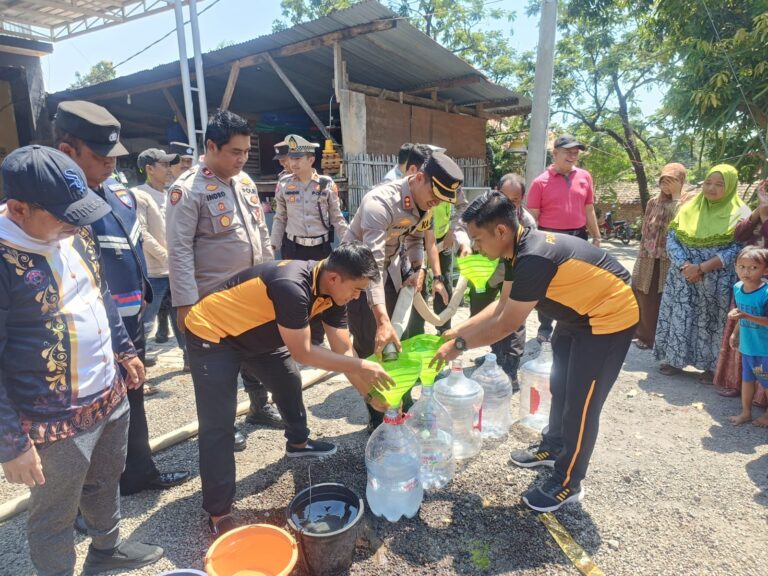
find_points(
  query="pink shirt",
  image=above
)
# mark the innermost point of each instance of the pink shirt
(560, 200)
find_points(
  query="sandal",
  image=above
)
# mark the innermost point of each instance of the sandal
(706, 377)
(728, 392)
(222, 525)
(668, 370)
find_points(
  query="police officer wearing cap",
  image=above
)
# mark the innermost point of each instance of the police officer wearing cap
(215, 227)
(90, 135)
(307, 207)
(394, 215)
(281, 155)
(186, 155)
(151, 205)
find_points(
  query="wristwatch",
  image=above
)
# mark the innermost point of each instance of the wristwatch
(460, 344)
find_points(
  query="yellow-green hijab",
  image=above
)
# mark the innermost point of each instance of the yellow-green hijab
(701, 223)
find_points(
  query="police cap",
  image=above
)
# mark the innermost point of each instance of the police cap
(281, 150)
(298, 146)
(93, 124)
(182, 149)
(151, 156)
(445, 175)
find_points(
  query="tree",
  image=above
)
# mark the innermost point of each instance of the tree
(100, 72)
(717, 72)
(603, 58)
(459, 25)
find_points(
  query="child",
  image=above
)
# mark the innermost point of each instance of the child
(751, 334)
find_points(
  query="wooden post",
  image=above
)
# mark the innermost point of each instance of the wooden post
(180, 118)
(234, 72)
(296, 94)
(339, 71)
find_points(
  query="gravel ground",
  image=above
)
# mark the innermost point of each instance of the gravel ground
(672, 489)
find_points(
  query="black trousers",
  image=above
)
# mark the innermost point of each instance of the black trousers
(545, 328)
(214, 370)
(584, 369)
(292, 251)
(446, 261)
(509, 349)
(362, 326)
(139, 467)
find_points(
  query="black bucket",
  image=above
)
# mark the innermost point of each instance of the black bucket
(326, 519)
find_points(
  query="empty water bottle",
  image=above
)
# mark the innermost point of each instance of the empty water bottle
(433, 427)
(535, 396)
(497, 396)
(392, 458)
(463, 399)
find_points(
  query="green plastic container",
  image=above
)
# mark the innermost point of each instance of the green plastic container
(404, 371)
(477, 269)
(424, 347)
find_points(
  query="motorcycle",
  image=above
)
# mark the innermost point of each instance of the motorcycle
(610, 229)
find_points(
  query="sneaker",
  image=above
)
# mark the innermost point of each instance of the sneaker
(533, 457)
(551, 495)
(313, 449)
(267, 415)
(222, 525)
(161, 338)
(150, 361)
(126, 556)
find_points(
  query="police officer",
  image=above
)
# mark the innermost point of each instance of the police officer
(90, 135)
(307, 207)
(215, 228)
(186, 155)
(394, 215)
(281, 155)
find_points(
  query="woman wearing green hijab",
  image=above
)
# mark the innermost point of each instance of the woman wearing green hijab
(697, 292)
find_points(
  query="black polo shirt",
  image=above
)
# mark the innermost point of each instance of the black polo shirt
(574, 282)
(248, 308)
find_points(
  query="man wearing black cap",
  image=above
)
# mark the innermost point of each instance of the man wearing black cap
(281, 155)
(561, 199)
(90, 135)
(63, 412)
(186, 156)
(151, 203)
(394, 215)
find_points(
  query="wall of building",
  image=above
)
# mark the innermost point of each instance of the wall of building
(388, 124)
(25, 77)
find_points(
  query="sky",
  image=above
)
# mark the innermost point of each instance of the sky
(231, 21)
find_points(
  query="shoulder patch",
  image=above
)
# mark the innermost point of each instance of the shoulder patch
(124, 196)
(246, 182)
(211, 187)
(175, 195)
(207, 172)
(115, 187)
(407, 203)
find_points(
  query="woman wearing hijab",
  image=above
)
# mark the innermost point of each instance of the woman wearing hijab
(751, 230)
(652, 264)
(701, 249)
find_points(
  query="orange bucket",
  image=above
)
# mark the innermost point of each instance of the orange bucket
(255, 550)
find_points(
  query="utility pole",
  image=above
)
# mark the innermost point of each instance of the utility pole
(542, 91)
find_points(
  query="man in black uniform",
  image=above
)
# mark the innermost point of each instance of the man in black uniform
(587, 291)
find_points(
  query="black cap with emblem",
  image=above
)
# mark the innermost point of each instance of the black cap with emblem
(567, 141)
(445, 175)
(93, 124)
(150, 156)
(182, 149)
(281, 150)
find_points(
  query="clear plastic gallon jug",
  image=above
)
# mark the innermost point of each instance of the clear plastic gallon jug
(463, 399)
(535, 396)
(497, 396)
(433, 427)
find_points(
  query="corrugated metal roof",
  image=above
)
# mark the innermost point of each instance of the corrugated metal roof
(399, 59)
(51, 20)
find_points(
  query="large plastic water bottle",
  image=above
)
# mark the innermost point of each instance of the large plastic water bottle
(497, 396)
(535, 395)
(392, 458)
(463, 399)
(433, 427)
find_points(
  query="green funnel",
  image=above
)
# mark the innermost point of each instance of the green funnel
(404, 371)
(424, 347)
(477, 269)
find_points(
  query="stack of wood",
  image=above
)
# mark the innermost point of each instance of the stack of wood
(332, 160)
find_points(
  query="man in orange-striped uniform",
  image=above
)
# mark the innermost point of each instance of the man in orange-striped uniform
(587, 291)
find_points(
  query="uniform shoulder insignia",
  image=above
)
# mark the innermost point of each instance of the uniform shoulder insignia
(115, 186)
(175, 195)
(246, 181)
(124, 196)
(207, 172)
(326, 181)
(407, 203)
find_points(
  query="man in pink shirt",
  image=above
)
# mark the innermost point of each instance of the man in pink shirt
(561, 199)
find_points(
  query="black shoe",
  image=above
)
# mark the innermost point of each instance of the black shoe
(161, 338)
(267, 415)
(222, 525)
(551, 496)
(150, 361)
(515, 384)
(126, 556)
(80, 526)
(185, 367)
(167, 480)
(542, 337)
(533, 457)
(313, 449)
(240, 441)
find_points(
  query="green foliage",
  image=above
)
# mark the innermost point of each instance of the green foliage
(100, 72)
